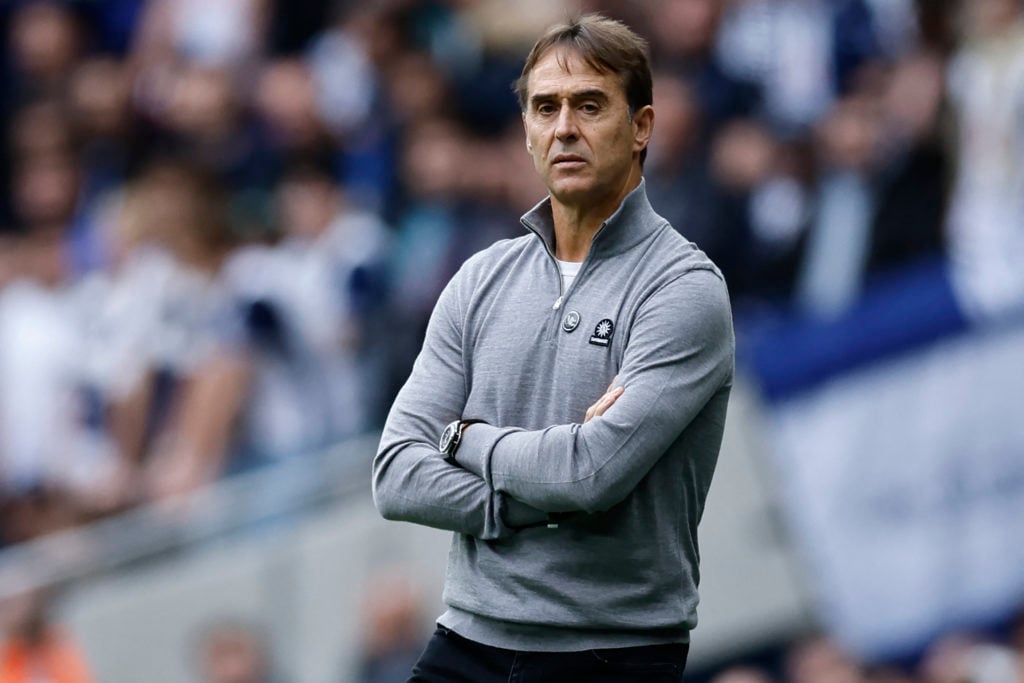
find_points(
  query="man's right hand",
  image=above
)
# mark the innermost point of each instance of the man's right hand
(611, 395)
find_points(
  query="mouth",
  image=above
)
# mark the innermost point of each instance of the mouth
(568, 161)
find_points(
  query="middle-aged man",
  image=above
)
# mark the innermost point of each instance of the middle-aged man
(575, 555)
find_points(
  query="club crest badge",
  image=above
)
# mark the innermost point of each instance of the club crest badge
(603, 333)
(571, 322)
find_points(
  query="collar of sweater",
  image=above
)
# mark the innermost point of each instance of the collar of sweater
(632, 223)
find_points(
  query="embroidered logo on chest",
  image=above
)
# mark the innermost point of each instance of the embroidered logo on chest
(571, 322)
(603, 333)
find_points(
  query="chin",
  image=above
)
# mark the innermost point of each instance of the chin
(570, 189)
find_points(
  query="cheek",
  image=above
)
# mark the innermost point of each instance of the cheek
(537, 156)
(616, 146)
(538, 147)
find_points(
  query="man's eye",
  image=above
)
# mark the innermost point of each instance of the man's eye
(545, 109)
(590, 108)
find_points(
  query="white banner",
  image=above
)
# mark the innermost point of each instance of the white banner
(904, 488)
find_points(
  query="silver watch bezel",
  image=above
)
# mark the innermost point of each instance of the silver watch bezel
(450, 437)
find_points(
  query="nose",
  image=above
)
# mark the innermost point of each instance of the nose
(566, 129)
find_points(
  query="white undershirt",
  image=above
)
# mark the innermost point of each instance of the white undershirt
(569, 270)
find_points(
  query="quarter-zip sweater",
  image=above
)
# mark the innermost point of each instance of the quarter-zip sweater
(507, 346)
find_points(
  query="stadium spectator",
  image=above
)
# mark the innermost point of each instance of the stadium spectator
(819, 659)
(832, 271)
(285, 100)
(676, 167)
(45, 41)
(913, 176)
(55, 459)
(882, 185)
(201, 120)
(394, 629)
(108, 138)
(33, 648)
(742, 674)
(962, 657)
(230, 34)
(946, 659)
(143, 327)
(235, 651)
(986, 232)
(761, 207)
(796, 53)
(312, 309)
(886, 674)
(683, 41)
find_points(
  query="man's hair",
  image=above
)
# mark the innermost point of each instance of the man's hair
(607, 46)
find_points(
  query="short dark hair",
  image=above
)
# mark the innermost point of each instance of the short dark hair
(607, 46)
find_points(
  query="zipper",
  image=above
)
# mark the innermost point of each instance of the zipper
(558, 271)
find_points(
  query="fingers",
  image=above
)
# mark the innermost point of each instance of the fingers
(603, 403)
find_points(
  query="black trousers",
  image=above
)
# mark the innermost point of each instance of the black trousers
(450, 658)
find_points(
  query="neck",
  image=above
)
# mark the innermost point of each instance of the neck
(576, 224)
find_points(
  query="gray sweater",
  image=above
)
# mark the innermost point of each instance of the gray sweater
(627, 488)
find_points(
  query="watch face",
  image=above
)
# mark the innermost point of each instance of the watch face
(448, 437)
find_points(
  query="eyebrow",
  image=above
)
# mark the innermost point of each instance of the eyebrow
(600, 95)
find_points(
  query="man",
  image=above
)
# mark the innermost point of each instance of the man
(575, 548)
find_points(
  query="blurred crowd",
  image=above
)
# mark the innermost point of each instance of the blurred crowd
(235, 649)
(225, 224)
(956, 658)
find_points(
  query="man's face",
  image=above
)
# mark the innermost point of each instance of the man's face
(579, 130)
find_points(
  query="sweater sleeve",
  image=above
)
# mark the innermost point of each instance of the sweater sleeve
(680, 352)
(411, 480)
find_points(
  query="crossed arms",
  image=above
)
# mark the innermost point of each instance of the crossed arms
(680, 352)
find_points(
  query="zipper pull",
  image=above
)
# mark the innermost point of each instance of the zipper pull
(558, 304)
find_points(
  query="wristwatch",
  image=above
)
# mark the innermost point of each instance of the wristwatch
(451, 437)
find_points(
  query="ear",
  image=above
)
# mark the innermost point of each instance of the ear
(526, 131)
(643, 126)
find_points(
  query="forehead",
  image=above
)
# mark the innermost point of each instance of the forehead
(562, 70)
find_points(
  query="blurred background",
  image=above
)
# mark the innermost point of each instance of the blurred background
(223, 226)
